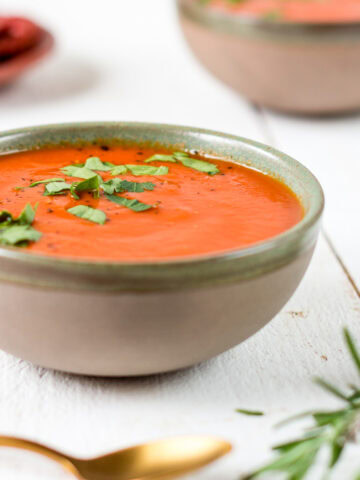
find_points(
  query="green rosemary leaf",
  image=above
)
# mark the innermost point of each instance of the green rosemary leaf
(285, 447)
(325, 418)
(294, 418)
(330, 388)
(296, 460)
(352, 348)
(332, 429)
(335, 454)
(355, 396)
(249, 412)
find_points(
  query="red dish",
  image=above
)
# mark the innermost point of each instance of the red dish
(17, 34)
(11, 68)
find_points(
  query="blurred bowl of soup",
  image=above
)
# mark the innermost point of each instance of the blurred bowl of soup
(295, 56)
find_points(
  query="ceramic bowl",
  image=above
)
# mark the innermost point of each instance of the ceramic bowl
(124, 318)
(298, 68)
(11, 69)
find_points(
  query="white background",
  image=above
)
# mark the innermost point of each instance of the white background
(127, 60)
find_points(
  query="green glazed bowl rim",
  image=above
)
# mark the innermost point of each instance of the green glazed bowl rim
(19, 266)
(256, 27)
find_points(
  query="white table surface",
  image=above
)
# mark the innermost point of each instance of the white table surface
(127, 60)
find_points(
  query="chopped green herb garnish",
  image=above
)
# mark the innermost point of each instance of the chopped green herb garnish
(138, 187)
(113, 185)
(249, 412)
(178, 155)
(118, 170)
(117, 185)
(79, 172)
(94, 163)
(161, 158)
(5, 218)
(187, 161)
(147, 170)
(56, 188)
(27, 216)
(92, 214)
(18, 231)
(49, 180)
(132, 204)
(18, 235)
(198, 165)
(89, 185)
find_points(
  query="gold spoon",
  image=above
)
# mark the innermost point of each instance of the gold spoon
(161, 460)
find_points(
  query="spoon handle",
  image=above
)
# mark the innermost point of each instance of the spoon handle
(14, 442)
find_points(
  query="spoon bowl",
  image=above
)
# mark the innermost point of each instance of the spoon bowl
(160, 460)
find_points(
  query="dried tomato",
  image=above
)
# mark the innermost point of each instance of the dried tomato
(16, 35)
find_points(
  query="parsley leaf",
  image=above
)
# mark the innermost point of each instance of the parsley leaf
(138, 187)
(94, 163)
(79, 172)
(118, 185)
(158, 157)
(18, 231)
(187, 161)
(49, 180)
(147, 170)
(18, 235)
(119, 170)
(88, 213)
(56, 188)
(198, 165)
(89, 185)
(26, 217)
(132, 204)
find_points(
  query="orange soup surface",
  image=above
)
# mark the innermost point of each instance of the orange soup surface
(190, 212)
(309, 11)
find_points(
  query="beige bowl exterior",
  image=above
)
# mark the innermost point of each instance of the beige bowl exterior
(139, 333)
(117, 319)
(304, 69)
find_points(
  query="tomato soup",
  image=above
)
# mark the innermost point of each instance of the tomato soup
(309, 11)
(130, 204)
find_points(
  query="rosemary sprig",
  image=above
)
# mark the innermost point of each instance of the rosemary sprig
(331, 429)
